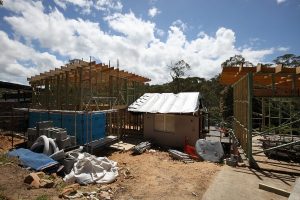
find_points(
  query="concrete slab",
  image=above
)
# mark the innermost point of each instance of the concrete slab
(243, 183)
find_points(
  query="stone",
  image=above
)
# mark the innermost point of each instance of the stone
(45, 183)
(105, 195)
(33, 179)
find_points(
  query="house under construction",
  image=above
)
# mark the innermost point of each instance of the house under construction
(266, 105)
(79, 90)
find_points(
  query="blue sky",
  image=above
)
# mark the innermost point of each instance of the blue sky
(145, 36)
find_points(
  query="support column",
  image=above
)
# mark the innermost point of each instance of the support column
(249, 134)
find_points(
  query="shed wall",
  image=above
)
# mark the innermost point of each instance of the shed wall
(185, 126)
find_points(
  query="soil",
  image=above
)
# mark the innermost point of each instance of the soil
(157, 176)
(151, 175)
(6, 142)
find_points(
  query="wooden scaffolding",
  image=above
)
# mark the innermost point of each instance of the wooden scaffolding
(88, 86)
(257, 89)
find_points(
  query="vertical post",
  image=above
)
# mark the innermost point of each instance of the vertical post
(11, 127)
(67, 91)
(249, 135)
(263, 113)
(80, 88)
(47, 93)
(273, 85)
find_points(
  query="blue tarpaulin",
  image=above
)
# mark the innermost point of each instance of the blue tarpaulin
(36, 161)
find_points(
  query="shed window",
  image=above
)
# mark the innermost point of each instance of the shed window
(164, 123)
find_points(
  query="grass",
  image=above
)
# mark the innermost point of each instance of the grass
(4, 159)
(42, 197)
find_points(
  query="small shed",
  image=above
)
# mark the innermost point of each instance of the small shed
(172, 119)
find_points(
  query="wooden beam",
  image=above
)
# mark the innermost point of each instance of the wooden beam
(263, 69)
(298, 70)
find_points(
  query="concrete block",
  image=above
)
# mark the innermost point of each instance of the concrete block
(31, 135)
(43, 125)
(73, 140)
(62, 144)
(61, 135)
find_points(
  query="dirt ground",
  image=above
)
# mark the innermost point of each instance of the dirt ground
(6, 142)
(152, 175)
(157, 176)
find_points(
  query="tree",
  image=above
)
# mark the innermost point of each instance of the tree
(237, 60)
(290, 60)
(1, 2)
(177, 71)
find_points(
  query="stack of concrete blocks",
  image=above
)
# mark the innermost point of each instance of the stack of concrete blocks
(62, 139)
(32, 135)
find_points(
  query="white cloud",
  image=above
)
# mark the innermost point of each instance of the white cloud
(283, 48)
(152, 12)
(14, 56)
(132, 41)
(280, 1)
(108, 4)
(87, 5)
(160, 32)
(180, 24)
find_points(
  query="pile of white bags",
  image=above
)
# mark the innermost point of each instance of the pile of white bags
(91, 169)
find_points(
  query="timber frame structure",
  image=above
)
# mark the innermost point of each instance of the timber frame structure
(87, 86)
(266, 99)
(80, 84)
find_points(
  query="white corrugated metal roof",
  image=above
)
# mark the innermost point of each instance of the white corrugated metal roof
(184, 102)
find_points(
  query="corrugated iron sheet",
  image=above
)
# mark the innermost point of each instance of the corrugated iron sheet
(184, 102)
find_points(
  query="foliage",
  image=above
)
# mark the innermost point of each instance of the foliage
(177, 71)
(236, 61)
(1, 2)
(42, 197)
(290, 60)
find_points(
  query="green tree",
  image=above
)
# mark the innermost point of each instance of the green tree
(236, 61)
(290, 60)
(177, 71)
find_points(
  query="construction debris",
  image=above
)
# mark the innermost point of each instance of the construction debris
(38, 180)
(282, 147)
(141, 148)
(274, 190)
(91, 169)
(36, 161)
(178, 155)
(209, 150)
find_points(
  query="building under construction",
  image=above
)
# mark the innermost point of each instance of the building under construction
(266, 105)
(72, 96)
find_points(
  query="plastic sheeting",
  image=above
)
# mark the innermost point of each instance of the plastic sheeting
(92, 169)
(209, 150)
(184, 102)
(36, 161)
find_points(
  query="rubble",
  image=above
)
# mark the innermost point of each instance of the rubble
(141, 148)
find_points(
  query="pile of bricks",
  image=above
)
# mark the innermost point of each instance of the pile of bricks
(62, 139)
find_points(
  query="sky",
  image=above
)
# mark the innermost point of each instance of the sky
(145, 36)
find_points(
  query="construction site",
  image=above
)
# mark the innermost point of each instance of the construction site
(59, 131)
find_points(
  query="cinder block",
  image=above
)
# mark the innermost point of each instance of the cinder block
(73, 140)
(62, 144)
(31, 135)
(43, 125)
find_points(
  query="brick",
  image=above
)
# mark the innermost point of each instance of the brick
(32, 179)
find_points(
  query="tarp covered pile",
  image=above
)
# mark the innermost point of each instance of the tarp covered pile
(92, 169)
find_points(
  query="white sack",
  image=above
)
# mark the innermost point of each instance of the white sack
(92, 169)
